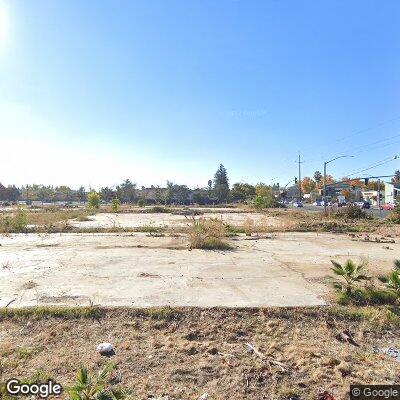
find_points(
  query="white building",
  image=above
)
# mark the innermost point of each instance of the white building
(392, 191)
(372, 196)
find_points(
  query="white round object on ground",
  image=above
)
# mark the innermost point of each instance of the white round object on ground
(104, 348)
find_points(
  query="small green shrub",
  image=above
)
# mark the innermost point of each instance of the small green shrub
(207, 234)
(231, 230)
(149, 229)
(370, 296)
(93, 199)
(213, 243)
(16, 223)
(20, 221)
(377, 296)
(115, 203)
(351, 212)
(140, 203)
(393, 283)
(395, 214)
(268, 201)
(24, 353)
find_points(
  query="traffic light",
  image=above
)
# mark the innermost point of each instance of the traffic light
(295, 180)
(366, 180)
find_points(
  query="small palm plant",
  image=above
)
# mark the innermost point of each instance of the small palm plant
(92, 387)
(393, 282)
(351, 273)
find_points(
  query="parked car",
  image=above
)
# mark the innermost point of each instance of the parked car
(328, 203)
(297, 204)
(282, 204)
(363, 204)
(388, 207)
(317, 203)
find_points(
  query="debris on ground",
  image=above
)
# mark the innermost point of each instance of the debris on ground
(346, 336)
(325, 396)
(368, 238)
(105, 349)
(269, 361)
(389, 351)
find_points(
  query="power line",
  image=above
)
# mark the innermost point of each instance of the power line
(369, 129)
(358, 132)
(368, 146)
(359, 178)
(385, 161)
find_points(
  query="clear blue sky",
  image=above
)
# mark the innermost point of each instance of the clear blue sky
(96, 91)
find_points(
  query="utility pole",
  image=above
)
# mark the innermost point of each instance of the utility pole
(379, 196)
(325, 186)
(300, 162)
(327, 162)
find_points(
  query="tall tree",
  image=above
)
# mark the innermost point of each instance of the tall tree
(307, 184)
(126, 192)
(317, 177)
(263, 190)
(221, 184)
(107, 194)
(329, 180)
(221, 176)
(81, 194)
(240, 191)
(169, 193)
(158, 194)
(13, 193)
(396, 178)
(181, 193)
(3, 192)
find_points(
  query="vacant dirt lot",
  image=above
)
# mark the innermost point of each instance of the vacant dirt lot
(136, 220)
(185, 353)
(286, 269)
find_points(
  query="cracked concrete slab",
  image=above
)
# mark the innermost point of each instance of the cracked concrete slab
(285, 269)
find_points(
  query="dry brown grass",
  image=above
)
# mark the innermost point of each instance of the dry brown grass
(56, 216)
(45, 220)
(207, 234)
(276, 220)
(183, 353)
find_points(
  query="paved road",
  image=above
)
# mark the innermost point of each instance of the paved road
(373, 210)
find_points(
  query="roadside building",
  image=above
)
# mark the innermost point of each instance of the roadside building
(392, 191)
(372, 196)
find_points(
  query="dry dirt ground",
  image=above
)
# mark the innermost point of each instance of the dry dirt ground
(185, 353)
(284, 269)
(134, 220)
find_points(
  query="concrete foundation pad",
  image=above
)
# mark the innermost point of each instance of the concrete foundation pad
(138, 270)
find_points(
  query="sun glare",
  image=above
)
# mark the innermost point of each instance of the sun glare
(3, 23)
